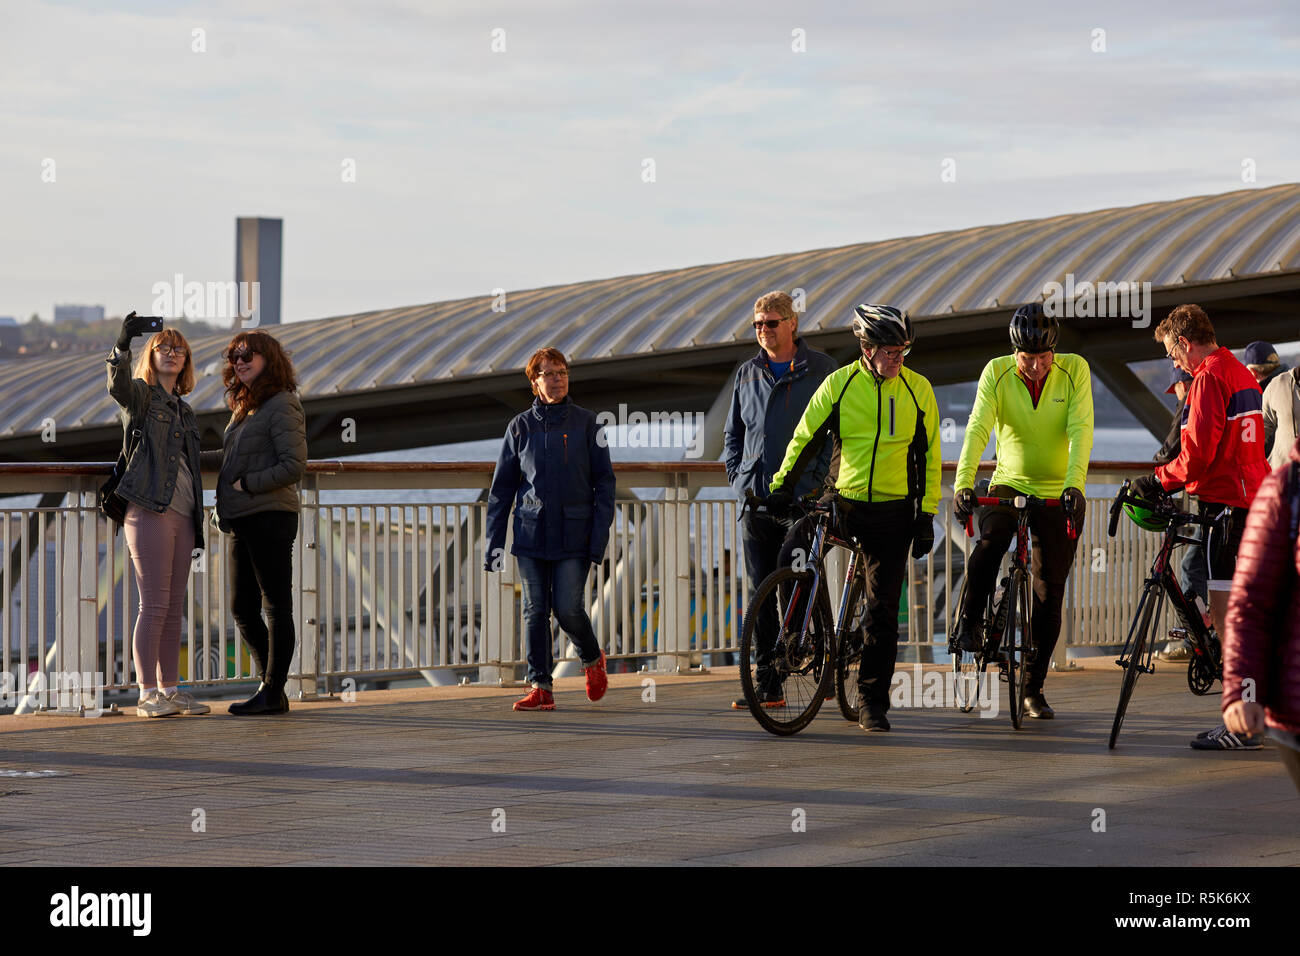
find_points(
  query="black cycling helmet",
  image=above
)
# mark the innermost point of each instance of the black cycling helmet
(882, 325)
(1033, 330)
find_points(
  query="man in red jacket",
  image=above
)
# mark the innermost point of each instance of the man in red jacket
(1221, 463)
(1261, 648)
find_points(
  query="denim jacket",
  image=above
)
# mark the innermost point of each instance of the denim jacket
(168, 429)
(554, 468)
(763, 416)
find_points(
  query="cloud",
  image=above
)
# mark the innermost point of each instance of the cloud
(522, 169)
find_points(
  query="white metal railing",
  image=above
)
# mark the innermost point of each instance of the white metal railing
(395, 587)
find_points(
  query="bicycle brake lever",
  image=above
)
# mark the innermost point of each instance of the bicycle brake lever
(1116, 506)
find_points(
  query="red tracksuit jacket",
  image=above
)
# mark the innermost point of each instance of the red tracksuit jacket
(1222, 460)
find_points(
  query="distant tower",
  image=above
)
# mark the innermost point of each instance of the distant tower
(257, 259)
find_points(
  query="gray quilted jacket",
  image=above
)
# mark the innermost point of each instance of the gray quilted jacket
(268, 452)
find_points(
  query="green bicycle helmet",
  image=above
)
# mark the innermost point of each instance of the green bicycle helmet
(1145, 517)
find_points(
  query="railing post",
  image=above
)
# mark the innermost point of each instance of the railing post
(75, 683)
(307, 686)
(499, 615)
(93, 673)
(675, 575)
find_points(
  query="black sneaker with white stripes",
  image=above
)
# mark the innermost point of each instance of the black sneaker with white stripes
(1221, 738)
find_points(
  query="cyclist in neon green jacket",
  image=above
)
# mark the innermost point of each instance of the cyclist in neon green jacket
(887, 423)
(1040, 402)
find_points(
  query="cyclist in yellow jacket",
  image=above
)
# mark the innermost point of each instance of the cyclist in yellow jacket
(1040, 402)
(887, 423)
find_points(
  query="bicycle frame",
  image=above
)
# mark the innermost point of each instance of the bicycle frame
(821, 538)
(1016, 592)
(812, 647)
(1159, 585)
(1020, 560)
(1162, 582)
(1019, 568)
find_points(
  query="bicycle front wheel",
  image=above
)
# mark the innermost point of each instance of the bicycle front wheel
(1132, 662)
(848, 662)
(1021, 646)
(785, 666)
(1013, 660)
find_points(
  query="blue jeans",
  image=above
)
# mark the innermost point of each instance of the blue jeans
(555, 586)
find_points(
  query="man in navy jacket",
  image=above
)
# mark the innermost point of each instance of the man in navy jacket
(772, 391)
(554, 469)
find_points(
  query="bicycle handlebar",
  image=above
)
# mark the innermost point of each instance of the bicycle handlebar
(1021, 503)
(1164, 507)
(806, 504)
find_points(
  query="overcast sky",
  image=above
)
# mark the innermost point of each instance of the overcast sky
(478, 169)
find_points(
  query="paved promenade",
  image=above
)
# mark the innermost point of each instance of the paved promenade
(452, 776)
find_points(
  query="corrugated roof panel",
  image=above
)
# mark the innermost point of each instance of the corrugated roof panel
(1248, 231)
(1145, 252)
(979, 254)
(1277, 247)
(1236, 234)
(1052, 262)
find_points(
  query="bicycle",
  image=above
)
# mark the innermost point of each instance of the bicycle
(792, 604)
(1007, 611)
(1206, 663)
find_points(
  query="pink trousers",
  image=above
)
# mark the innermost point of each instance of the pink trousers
(161, 546)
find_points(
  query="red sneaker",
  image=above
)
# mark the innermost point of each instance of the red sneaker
(537, 699)
(597, 679)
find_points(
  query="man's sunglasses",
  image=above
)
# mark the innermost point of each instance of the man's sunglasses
(890, 353)
(767, 323)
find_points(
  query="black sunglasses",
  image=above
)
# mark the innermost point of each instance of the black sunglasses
(767, 323)
(241, 355)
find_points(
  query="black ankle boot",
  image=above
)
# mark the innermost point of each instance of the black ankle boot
(265, 701)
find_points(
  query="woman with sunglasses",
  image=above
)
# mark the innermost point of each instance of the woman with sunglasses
(264, 456)
(164, 514)
(554, 470)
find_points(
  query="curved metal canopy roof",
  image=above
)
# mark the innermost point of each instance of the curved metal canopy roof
(1231, 236)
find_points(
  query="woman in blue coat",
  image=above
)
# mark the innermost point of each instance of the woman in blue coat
(554, 469)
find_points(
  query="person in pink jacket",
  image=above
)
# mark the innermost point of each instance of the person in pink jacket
(1261, 648)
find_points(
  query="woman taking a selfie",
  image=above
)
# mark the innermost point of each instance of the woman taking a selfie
(164, 511)
(264, 456)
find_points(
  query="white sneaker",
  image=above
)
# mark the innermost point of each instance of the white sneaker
(189, 707)
(156, 705)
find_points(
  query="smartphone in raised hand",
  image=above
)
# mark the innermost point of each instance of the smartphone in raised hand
(147, 323)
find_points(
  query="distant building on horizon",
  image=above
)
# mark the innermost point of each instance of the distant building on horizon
(258, 256)
(79, 313)
(11, 336)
